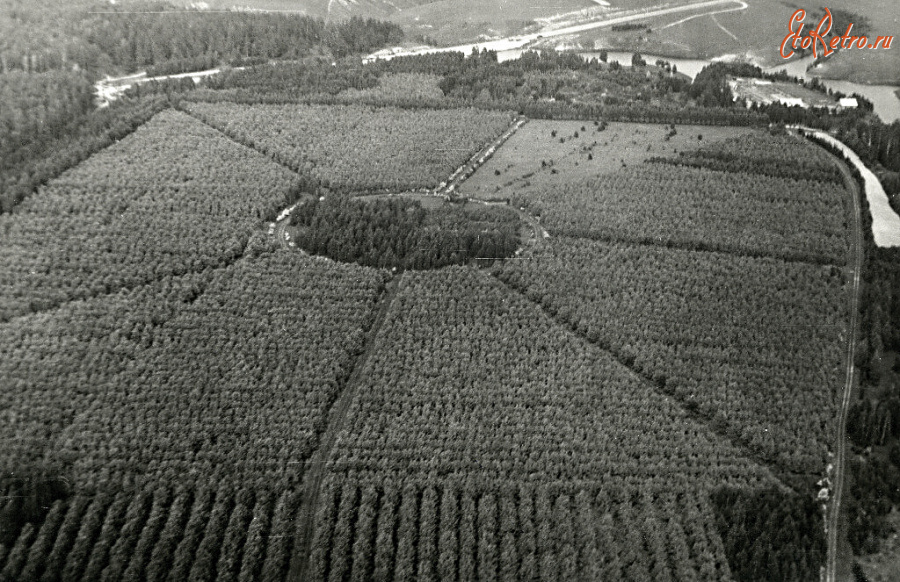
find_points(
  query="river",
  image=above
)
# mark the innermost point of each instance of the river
(883, 97)
(885, 222)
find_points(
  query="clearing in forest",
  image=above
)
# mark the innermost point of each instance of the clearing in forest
(734, 194)
(542, 150)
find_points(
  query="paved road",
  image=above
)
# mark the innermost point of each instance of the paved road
(521, 41)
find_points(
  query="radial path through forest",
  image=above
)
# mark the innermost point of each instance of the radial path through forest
(312, 479)
(783, 474)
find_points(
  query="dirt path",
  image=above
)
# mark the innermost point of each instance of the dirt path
(835, 537)
(315, 466)
(282, 222)
(476, 161)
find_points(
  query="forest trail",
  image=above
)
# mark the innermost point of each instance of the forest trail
(315, 466)
(783, 475)
(833, 566)
(478, 159)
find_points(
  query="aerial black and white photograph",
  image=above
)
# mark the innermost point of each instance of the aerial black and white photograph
(449, 290)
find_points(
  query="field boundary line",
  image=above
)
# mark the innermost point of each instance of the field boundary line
(778, 471)
(249, 146)
(227, 263)
(312, 478)
(694, 248)
(92, 153)
(462, 173)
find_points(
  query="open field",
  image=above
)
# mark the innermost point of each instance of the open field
(451, 21)
(535, 158)
(755, 33)
(609, 197)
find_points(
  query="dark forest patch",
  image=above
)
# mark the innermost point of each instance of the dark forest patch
(402, 234)
(770, 534)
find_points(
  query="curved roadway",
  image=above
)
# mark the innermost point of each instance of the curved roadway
(833, 517)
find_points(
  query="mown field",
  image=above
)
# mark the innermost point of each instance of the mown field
(189, 400)
(544, 153)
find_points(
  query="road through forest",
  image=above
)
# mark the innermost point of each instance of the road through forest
(315, 466)
(833, 518)
(840, 454)
(522, 41)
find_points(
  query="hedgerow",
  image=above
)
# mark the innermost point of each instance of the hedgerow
(769, 155)
(522, 531)
(242, 537)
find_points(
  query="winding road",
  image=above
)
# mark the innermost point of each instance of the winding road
(833, 517)
(885, 233)
(521, 41)
(840, 455)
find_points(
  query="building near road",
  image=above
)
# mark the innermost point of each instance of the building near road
(765, 92)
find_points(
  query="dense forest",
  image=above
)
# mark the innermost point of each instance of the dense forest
(134, 230)
(770, 534)
(51, 56)
(486, 442)
(360, 148)
(541, 84)
(399, 233)
(873, 421)
(104, 38)
(873, 424)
